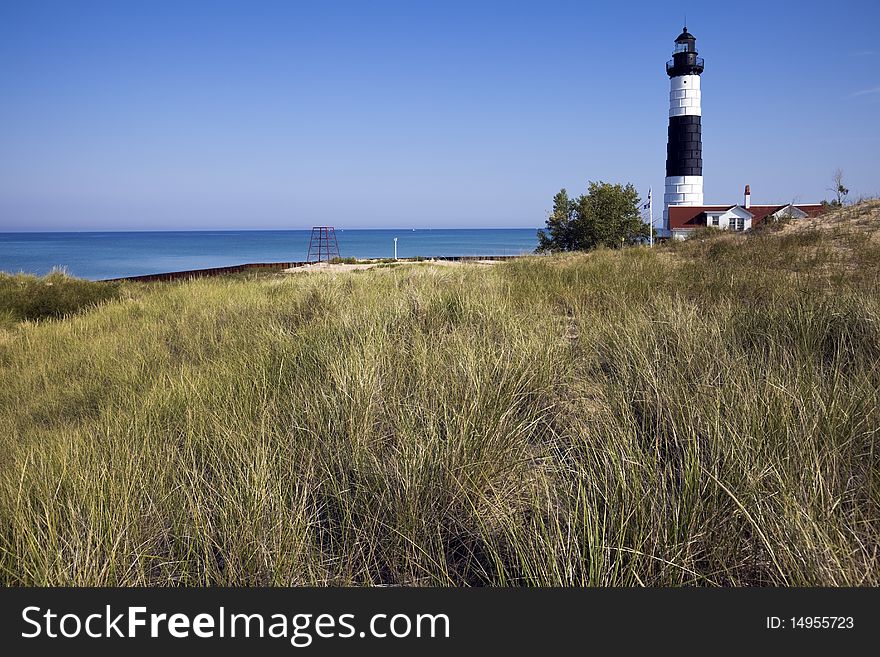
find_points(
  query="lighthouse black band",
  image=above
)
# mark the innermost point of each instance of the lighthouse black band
(684, 148)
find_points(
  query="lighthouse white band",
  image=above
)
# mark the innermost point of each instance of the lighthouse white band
(685, 185)
(682, 190)
(684, 95)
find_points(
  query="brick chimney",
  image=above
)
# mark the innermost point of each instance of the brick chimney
(747, 202)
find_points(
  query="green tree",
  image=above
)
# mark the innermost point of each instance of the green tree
(558, 233)
(607, 215)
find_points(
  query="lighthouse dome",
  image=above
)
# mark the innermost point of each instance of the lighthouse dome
(685, 36)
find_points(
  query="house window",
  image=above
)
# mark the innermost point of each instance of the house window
(737, 223)
(715, 220)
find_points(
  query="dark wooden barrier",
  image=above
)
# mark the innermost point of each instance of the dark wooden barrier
(213, 271)
(278, 266)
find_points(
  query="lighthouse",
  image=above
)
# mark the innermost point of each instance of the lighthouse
(684, 147)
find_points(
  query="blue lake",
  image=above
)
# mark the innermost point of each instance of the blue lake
(113, 254)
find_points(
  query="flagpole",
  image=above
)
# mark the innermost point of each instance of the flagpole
(651, 215)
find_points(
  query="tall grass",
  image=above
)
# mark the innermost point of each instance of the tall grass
(700, 415)
(25, 297)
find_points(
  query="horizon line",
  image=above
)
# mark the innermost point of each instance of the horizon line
(258, 230)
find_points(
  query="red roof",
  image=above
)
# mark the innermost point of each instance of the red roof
(812, 209)
(759, 212)
(694, 216)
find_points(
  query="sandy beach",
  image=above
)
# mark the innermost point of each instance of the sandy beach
(335, 268)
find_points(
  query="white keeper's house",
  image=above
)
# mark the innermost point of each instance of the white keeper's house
(683, 208)
(682, 219)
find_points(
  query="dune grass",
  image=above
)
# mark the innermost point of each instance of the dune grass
(25, 297)
(703, 414)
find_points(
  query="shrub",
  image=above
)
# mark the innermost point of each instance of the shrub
(25, 297)
(704, 233)
(772, 222)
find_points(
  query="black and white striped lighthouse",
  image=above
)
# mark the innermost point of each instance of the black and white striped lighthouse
(684, 148)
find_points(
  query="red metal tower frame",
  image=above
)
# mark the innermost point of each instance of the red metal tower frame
(323, 244)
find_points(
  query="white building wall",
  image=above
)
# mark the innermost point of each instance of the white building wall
(791, 211)
(726, 220)
(680, 234)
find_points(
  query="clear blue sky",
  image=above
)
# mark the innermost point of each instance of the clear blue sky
(257, 114)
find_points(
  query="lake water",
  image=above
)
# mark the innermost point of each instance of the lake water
(115, 254)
